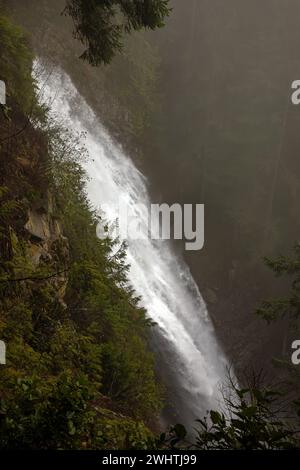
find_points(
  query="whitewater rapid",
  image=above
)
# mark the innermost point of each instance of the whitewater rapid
(189, 359)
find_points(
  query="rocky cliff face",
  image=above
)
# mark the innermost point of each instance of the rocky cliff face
(32, 242)
(46, 244)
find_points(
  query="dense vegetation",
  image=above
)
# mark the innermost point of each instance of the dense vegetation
(79, 373)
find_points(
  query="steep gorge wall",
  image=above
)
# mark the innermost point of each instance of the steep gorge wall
(79, 372)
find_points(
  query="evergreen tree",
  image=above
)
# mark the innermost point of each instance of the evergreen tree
(101, 24)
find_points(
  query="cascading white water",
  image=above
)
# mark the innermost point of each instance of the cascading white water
(188, 356)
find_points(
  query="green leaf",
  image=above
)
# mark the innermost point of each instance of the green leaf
(180, 431)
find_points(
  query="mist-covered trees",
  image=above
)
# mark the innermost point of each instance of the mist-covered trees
(101, 24)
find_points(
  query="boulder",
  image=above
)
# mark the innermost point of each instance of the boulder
(38, 225)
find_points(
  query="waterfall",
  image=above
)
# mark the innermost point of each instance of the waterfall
(189, 359)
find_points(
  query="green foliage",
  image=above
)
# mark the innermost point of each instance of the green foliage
(253, 420)
(15, 64)
(114, 433)
(249, 424)
(101, 26)
(44, 415)
(288, 306)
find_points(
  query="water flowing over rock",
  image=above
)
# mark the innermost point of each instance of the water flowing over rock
(190, 361)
